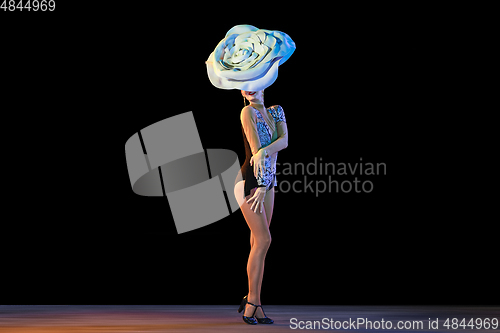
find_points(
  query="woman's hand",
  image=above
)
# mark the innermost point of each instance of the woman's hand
(258, 161)
(258, 199)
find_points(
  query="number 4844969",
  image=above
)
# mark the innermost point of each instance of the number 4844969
(30, 5)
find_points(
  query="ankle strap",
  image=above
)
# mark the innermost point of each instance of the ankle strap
(254, 304)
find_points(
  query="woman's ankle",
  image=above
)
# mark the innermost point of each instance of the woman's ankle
(255, 299)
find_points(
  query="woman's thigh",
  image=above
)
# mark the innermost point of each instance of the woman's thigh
(257, 222)
(269, 205)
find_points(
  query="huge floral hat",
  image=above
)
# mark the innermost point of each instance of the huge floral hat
(248, 58)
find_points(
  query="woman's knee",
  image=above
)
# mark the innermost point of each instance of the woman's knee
(263, 242)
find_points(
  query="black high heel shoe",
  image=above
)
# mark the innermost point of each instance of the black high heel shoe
(249, 320)
(266, 319)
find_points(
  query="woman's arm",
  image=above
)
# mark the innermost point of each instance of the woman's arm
(281, 142)
(248, 121)
(258, 159)
(250, 128)
(249, 124)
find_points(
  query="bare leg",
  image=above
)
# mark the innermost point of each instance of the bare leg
(260, 239)
(257, 222)
(268, 207)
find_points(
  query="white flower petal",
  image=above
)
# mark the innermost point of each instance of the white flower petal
(219, 50)
(248, 74)
(248, 58)
(261, 49)
(239, 29)
(245, 45)
(217, 81)
(287, 46)
(247, 63)
(262, 82)
(239, 57)
(229, 40)
(245, 37)
(261, 35)
(270, 41)
(232, 50)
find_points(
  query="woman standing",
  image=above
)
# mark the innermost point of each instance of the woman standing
(265, 133)
(247, 59)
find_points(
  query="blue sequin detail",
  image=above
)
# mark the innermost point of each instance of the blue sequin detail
(265, 137)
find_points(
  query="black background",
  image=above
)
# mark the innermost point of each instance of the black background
(370, 83)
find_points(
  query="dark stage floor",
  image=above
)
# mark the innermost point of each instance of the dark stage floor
(224, 318)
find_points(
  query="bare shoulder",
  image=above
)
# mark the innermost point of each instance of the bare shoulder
(247, 113)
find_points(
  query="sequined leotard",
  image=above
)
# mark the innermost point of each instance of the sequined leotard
(266, 136)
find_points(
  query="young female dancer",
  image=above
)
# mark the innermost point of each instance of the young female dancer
(264, 133)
